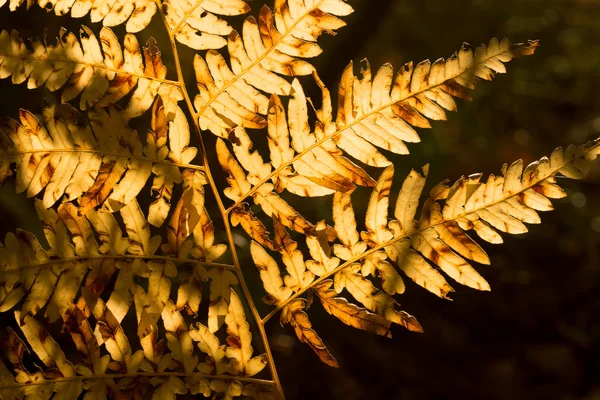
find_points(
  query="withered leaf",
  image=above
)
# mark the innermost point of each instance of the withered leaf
(294, 314)
(351, 314)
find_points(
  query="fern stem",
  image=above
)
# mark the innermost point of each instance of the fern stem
(365, 116)
(119, 257)
(407, 235)
(133, 375)
(96, 66)
(223, 212)
(106, 153)
(255, 62)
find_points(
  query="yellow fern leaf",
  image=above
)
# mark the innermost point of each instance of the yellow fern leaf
(115, 258)
(100, 163)
(350, 314)
(239, 349)
(50, 353)
(270, 274)
(293, 314)
(221, 281)
(95, 68)
(209, 344)
(440, 235)
(379, 111)
(137, 13)
(275, 45)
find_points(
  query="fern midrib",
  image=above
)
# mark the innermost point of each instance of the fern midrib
(185, 17)
(254, 63)
(179, 260)
(105, 153)
(224, 216)
(133, 375)
(365, 116)
(99, 66)
(415, 232)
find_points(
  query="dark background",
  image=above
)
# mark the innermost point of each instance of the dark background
(537, 334)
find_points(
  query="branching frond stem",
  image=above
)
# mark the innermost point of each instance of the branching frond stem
(365, 116)
(107, 153)
(224, 214)
(95, 66)
(133, 375)
(399, 238)
(54, 262)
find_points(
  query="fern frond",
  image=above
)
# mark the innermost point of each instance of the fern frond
(162, 371)
(53, 277)
(379, 111)
(277, 44)
(104, 267)
(101, 162)
(76, 264)
(137, 13)
(98, 69)
(439, 238)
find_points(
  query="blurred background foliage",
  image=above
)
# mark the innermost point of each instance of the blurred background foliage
(537, 334)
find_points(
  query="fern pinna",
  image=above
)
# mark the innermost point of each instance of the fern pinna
(111, 248)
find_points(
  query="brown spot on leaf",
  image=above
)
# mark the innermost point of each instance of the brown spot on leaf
(234, 342)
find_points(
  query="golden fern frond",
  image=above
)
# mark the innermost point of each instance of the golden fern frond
(277, 44)
(101, 161)
(103, 268)
(68, 280)
(438, 239)
(35, 274)
(157, 370)
(52, 278)
(379, 111)
(193, 23)
(98, 69)
(137, 13)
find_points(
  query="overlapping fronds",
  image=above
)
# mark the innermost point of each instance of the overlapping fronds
(379, 111)
(97, 69)
(319, 172)
(70, 279)
(137, 13)
(52, 277)
(159, 370)
(277, 44)
(106, 269)
(270, 202)
(100, 161)
(419, 249)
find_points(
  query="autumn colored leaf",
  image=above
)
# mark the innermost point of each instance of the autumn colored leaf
(149, 224)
